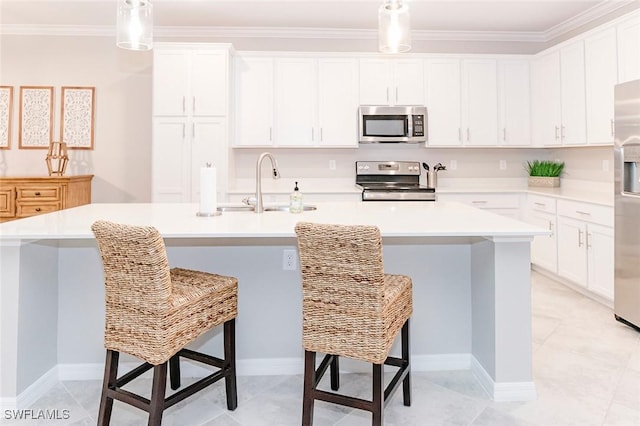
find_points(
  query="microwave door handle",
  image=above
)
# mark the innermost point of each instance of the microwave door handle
(410, 126)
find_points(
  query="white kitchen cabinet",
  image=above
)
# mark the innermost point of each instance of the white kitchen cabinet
(181, 146)
(190, 81)
(541, 211)
(514, 103)
(253, 101)
(585, 246)
(190, 118)
(558, 90)
(443, 102)
(479, 102)
(391, 82)
(296, 102)
(601, 75)
(628, 43)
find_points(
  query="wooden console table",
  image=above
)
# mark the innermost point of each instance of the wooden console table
(28, 196)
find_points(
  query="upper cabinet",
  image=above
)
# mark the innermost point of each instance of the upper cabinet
(190, 82)
(296, 101)
(558, 92)
(391, 82)
(628, 41)
(479, 102)
(601, 76)
(514, 103)
(443, 102)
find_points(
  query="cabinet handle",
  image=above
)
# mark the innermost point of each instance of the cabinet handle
(551, 229)
(193, 131)
(562, 132)
(38, 209)
(312, 135)
(479, 202)
(270, 136)
(583, 213)
(612, 127)
(193, 104)
(184, 104)
(396, 94)
(468, 134)
(184, 131)
(37, 193)
(320, 134)
(557, 129)
(580, 238)
(504, 134)
(589, 240)
(387, 95)
(459, 134)
(540, 204)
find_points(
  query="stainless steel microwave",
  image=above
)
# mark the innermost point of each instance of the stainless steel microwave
(392, 124)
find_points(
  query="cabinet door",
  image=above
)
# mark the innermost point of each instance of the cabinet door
(208, 83)
(479, 102)
(573, 130)
(544, 250)
(572, 255)
(408, 87)
(600, 248)
(546, 106)
(375, 75)
(295, 101)
(337, 103)
(254, 101)
(514, 103)
(170, 80)
(629, 49)
(208, 145)
(443, 102)
(601, 75)
(171, 163)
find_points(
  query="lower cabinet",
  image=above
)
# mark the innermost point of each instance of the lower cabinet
(541, 211)
(585, 246)
(504, 204)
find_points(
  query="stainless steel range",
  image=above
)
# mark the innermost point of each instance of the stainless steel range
(392, 181)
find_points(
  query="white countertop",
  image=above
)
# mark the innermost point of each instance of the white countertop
(395, 219)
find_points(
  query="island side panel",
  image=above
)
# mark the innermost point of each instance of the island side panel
(9, 297)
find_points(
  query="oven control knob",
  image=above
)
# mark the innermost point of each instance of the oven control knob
(366, 167)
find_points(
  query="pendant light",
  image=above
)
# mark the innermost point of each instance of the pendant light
(135, 25)
(394, 27)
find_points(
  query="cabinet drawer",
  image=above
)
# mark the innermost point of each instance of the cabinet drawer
(33, 192)
(485, 201)
(30, 209)
(541, 204)
(602, 215)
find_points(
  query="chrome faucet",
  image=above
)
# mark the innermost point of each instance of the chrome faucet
(259, 208)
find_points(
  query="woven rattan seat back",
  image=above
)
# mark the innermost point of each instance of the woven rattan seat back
(343, 281)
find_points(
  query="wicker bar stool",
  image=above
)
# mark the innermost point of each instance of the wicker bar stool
(351, 308)
(153, 312)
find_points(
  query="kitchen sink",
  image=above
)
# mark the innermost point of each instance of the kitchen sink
(279, 208)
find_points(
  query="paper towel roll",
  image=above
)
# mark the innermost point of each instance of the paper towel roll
(208, 194)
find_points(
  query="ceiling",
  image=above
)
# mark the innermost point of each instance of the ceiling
(515, 19)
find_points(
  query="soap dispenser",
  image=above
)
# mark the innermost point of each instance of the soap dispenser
(295, 200)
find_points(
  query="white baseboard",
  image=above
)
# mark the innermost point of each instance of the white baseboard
(509, 391)
(31, 394)
(523, 391)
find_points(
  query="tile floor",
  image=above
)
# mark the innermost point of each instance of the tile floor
(586, 370)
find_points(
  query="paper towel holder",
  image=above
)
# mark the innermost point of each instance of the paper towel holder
(215, 211)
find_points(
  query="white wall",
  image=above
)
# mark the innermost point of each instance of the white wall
(120, 160)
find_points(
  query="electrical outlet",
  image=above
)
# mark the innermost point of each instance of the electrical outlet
(289, 260)
(503, 164)
(453, 165)
(605, 165)
(332, 164)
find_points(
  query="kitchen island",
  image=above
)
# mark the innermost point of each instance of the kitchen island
(470, 271)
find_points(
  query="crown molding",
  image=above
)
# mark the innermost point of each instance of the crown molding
(599, 10)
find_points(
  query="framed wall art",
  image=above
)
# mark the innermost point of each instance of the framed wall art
(36, 117)
(76, 117)
(6, 108)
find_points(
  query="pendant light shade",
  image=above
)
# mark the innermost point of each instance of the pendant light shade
(135, 25)
(394, 27)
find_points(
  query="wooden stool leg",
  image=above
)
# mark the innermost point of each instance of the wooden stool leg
(174, 371)
(230, 359)
(335, 373)
(156, 404)
(109, 382)
(378, 394)
(406, 383)
(309, 387)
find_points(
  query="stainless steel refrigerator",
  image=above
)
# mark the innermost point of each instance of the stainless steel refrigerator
(627, 203)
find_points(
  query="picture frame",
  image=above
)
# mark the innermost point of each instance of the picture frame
(36, 117)
(77, 115)
(6, 111)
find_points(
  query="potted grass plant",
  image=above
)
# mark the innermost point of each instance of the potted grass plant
(544, 173)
